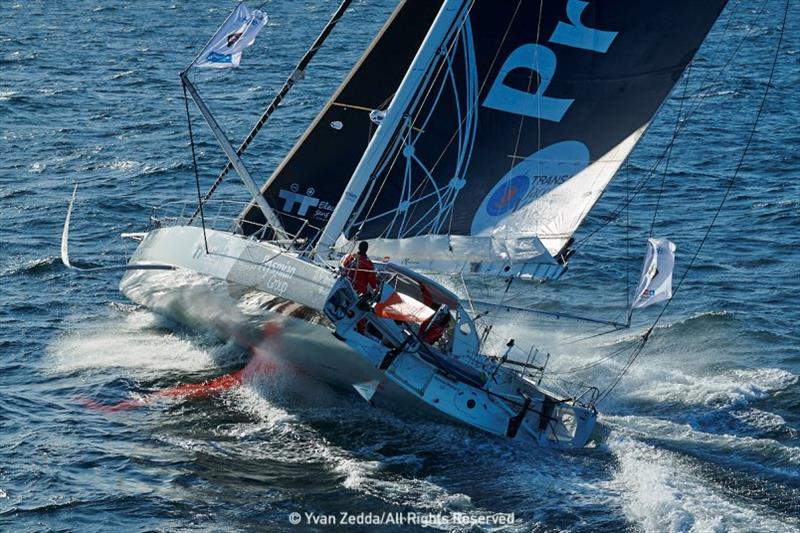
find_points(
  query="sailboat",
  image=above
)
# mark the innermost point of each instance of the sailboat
(471, 138)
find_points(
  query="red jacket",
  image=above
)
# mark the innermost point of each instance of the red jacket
(361, 272)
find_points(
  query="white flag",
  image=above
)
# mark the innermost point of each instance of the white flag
(237, 33)
(656, 283)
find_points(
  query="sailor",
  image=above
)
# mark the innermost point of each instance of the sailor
(432, 329)
(360, 270)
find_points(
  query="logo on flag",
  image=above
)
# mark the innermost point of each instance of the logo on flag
(237, 33)
(233, 37)
(655, 284)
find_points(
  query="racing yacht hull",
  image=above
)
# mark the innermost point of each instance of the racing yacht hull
(214, 292)
(304, 315)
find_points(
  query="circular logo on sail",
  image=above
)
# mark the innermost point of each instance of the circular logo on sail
(528, 180)
(508, 197)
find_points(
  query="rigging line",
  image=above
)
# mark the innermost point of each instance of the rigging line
(420, 106)
(466, 292)
(297, 74)
(470, 118)
(711, 225)
(194, 163)
(581, 338)
(669, 152)
(401, 138)
(457, 35)
(462, 137)
(534, 70)
(651, 172)
(596, 362)
(634, 355)
(627, 237)
(483, 83)
(377, 195)
(402, 230)
(466, 115)
(390, 158)
(440, 204)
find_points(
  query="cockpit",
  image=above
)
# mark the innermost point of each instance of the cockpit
(433, 312)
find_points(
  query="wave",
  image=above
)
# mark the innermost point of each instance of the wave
(661, 491)
(139, 343)
(702, 322)
(18, 57)
(358, 470)
(123, 74)
(764, 456)
(781, 204)
(764, 423)
(11, 193)
(34, 267)
(413, 463)
(732, 388)
(37, 167)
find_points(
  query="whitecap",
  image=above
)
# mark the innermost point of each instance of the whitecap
(662, 491)
(360, 471)
(134, 343)
(762, 420)
(719, 390)
(124, 74)
(764, 454)
(123, 164)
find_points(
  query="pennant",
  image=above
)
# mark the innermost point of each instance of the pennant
(237, 33)
(655, 284)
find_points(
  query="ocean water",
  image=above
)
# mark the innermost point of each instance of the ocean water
(703, 434)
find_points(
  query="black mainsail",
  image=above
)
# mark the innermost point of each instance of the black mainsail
(527, 113)
(308, 183)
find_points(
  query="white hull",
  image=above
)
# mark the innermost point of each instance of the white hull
(207, 293)
(243, 284)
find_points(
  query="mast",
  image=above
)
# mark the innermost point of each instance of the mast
(297, 74)
(233, 157)
(447, 16)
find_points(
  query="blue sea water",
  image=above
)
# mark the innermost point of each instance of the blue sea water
(703, 434)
